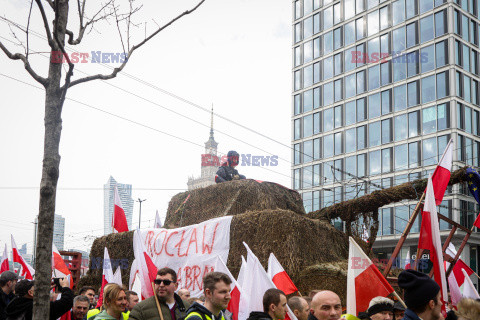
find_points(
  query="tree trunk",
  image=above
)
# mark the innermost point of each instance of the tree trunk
(50, 172)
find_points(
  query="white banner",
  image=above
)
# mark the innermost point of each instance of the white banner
(191, 251)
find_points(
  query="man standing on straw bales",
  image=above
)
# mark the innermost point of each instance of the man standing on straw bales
(299, 307)
(171, 305)
(326, 305)
(227, 171)
(274, 306)
(216, 287)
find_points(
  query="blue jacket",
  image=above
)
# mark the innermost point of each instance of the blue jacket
(410, 315)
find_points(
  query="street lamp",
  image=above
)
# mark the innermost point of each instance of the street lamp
(140, 211)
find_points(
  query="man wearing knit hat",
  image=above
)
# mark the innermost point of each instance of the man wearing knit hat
(380, 308)
(422, 296)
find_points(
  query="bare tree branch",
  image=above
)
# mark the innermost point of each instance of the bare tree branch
(82, 28)
(130, 52)
(19, 56)
(118, 27)
(45, 23)
(50, 2)
(28, 26)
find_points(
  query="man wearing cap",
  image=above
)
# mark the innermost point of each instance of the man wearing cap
(380, 308)
(21, 307)
(8, 280)
(422, 296)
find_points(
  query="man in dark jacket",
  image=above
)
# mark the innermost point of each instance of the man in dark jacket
(21, 307)
(8, 280)
(171, 305)
(216, 288)
(274, 306)
(227, 171)
(422, 296)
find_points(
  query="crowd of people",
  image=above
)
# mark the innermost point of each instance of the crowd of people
(421, 295)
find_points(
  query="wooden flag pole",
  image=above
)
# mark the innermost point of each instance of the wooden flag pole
(159, 308)
(399, 299)
(404, 236)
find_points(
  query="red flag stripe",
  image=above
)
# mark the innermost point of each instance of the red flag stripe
(283, 282)
(368, 285)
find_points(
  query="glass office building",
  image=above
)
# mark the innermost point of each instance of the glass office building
(379, 88)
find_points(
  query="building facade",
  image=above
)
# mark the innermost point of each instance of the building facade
(58, 232)
(379, 88)
(125, 192)
(209, 165)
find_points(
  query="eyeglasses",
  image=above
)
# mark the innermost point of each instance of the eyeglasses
(165, 282)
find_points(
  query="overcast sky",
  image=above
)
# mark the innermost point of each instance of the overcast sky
(235, 54)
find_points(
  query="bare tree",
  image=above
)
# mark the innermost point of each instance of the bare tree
(57, 32)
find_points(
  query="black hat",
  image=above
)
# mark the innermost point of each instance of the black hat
(8, 276)
(22, 287)
(419, 288)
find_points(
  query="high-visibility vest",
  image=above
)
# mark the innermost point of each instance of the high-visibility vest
(203, 316)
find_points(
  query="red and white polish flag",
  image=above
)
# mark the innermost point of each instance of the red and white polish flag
(147, 270)
(429, 238)
(279, 276)
(27, 271)
(59, 268)
(107, 276)
(364, 280)
(441, 175)
(119, 220)
(469, 290)
(408, 261)
(235, 293)
(4, 266)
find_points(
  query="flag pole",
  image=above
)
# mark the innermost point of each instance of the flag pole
(464, 242)
(403, 237)
(157, 302)
(399, 299)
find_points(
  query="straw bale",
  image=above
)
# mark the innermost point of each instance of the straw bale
(120, 250)
(325, 276)
(296, 240)
(230, 198)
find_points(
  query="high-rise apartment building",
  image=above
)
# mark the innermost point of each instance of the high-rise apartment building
(379, 88)
(58, 232)
(125, 192)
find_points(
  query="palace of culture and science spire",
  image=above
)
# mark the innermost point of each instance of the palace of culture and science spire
(209, 164)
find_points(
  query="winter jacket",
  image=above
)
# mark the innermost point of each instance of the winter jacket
(199, 312)
(410, 315)
(22, 308)
(4, 301)
(147, 309)
(257, 315)
(226, 173)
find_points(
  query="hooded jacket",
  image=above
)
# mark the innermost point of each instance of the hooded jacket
(147, 309)
(199, 312)
(22, 308)
(257, 315)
